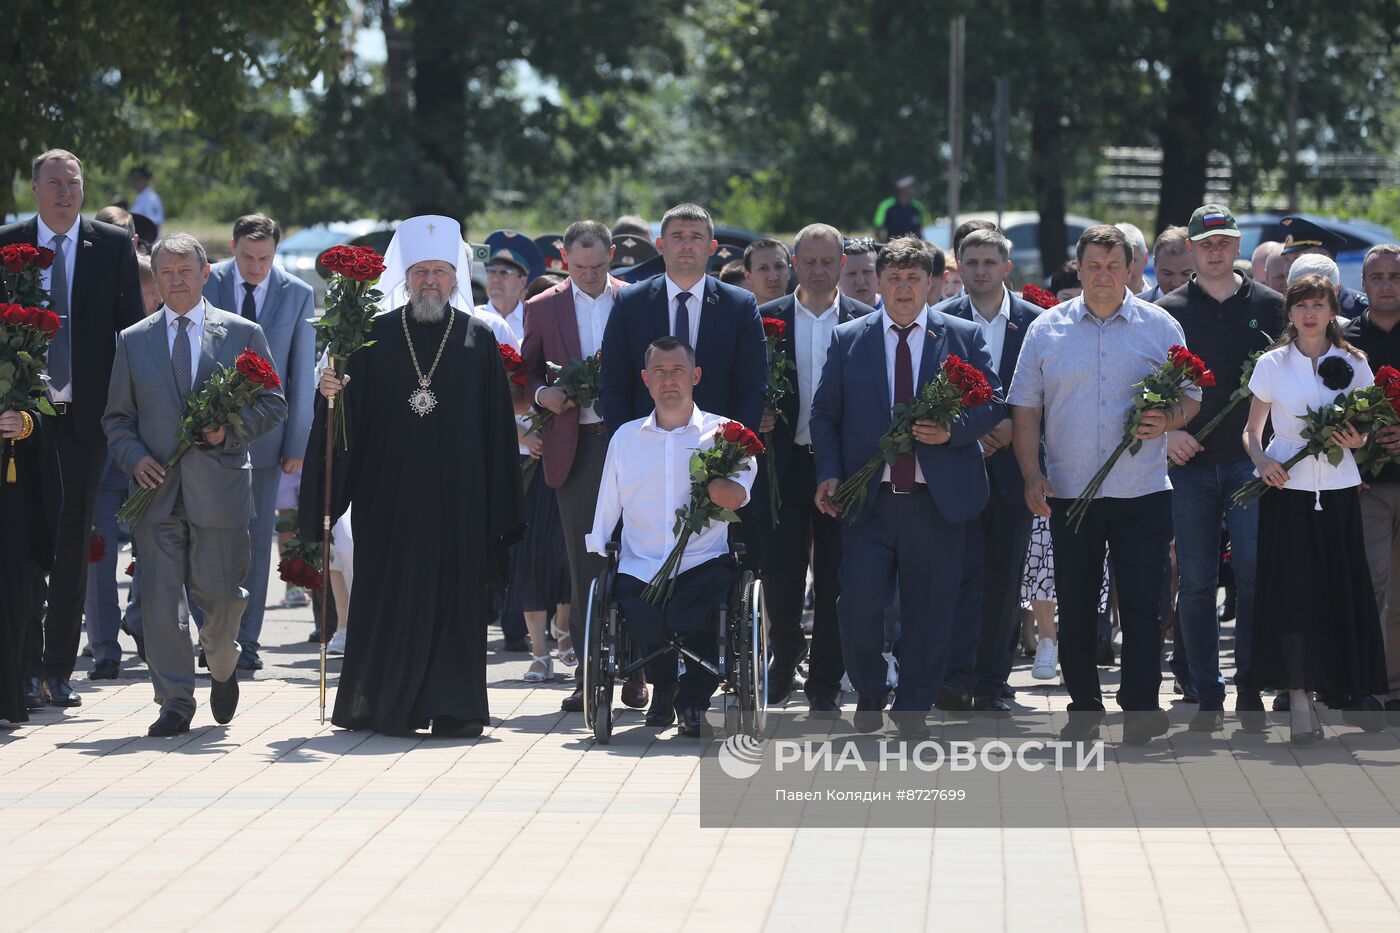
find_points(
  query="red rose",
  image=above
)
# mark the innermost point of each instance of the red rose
(46, 321)
(43, 257)
(774, 328)
(1039, 297)
(751, 443)
(1206, 380)
(97, 548)
(257, 370)
(12, 258)
(732, 431)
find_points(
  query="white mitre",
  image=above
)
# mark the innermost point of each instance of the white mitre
(420, 239)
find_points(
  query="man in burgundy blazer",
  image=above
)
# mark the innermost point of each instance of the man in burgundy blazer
(564, 324)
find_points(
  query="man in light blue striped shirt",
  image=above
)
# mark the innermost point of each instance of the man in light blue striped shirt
(1075, 377)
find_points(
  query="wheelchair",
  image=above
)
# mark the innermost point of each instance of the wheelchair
(742, 637)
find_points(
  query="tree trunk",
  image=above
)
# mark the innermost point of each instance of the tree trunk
(1191, 116)
(439, 109)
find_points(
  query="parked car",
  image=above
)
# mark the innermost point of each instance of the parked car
(1360, 235)
(1021, 228)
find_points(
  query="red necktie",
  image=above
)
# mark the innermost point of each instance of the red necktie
(902, 473)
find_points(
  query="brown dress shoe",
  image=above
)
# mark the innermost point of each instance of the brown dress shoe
(634, 691)
(573, 703)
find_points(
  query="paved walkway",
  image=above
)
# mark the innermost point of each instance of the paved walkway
(276, 821)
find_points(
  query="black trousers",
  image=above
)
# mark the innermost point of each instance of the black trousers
(990, 599)
(51, 648)
(785, 576)
(1136, 533)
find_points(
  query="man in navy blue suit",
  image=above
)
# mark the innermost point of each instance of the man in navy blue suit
(914, 529)
(721, 322)
(982, 655)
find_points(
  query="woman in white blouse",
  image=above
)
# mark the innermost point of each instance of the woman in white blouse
(1316, 630)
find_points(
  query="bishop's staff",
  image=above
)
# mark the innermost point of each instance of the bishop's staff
(351, 304)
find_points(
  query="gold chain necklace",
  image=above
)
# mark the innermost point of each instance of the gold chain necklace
(423, 400)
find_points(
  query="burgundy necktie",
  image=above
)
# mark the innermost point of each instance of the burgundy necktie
(902, 473)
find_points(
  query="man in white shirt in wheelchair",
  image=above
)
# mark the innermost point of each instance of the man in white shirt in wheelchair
(646, 478)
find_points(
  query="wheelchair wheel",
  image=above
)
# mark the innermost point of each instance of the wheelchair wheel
(751, 655)
(600, 639)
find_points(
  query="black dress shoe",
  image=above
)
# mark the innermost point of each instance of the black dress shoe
(516, 644)
(1083, 726)
(59, 693)
(821, 703)
(139, 639)
(870, 715)
(911, 726)
(573, 703)
(169, 723)
(1209, 718)
(634, 691)
(249, 661)
(33, 694)
(1282, 702)
(693, 724)
(1250, 708)
(1142, 726)
(1007, 692)
(450, 727)
(223, 698)
(991, 705)
(662, 711)
(104, 670)
(781, 674)
(953, 700)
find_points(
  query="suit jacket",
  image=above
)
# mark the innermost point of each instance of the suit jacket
(784, 309)
(731, 353)
(851, 411)
(286, 323)
(104, 298)
(144, 410)
(1001, 466)
(551, 336)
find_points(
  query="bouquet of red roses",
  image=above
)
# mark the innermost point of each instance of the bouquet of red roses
(23, 266)
(779, 385)
(515, 366)
(958, 387)
(1372, 458)
(351, 304)
(579, 382)
(24, 351)
(301, 560)
(1162, 389)
(734, 444)
(1040, 297)
(214, 405)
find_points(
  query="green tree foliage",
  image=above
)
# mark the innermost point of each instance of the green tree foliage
(120, 79)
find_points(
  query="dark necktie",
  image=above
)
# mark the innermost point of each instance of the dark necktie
(61, 348)
(181, 361)
(902, 473)
(682, 331)
(250, 310)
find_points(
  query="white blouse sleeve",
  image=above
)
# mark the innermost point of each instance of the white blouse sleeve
(1261, 380)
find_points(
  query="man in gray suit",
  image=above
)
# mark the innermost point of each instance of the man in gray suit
(282, 305)
(194, 533)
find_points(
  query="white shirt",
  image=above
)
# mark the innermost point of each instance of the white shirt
(646, 477)
(592, 315)
(259, 293)
(811, 338)
(44, 238)
(196, 332)
(692, 307)
(994, 331)
(506, 336)
(1285, 379)
(147, 204)
(916, 354)
(515, 318)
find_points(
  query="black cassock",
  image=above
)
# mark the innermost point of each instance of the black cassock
(437, 503)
